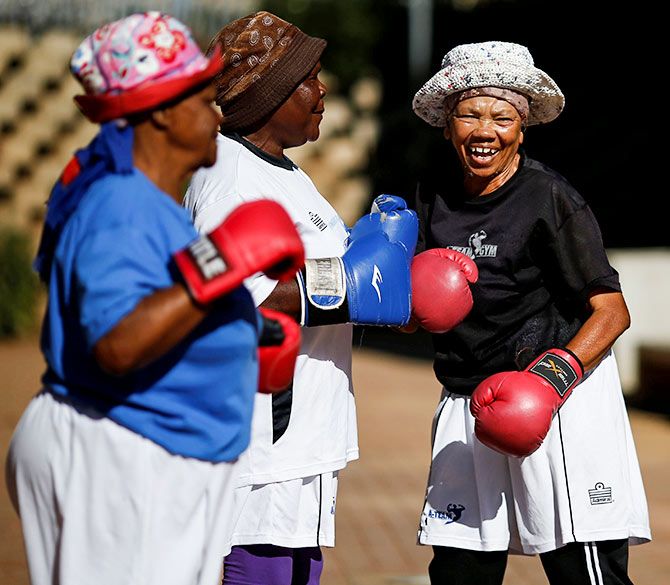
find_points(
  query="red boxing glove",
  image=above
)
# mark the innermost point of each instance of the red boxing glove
(441, 296)
(513, 410)
(256, 237)
(278, 349)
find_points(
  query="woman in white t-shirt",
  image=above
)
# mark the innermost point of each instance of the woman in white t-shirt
(271, 99)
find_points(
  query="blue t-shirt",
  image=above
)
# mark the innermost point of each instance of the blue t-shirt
(116, 249)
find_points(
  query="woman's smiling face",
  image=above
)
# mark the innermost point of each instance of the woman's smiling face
(486, 133)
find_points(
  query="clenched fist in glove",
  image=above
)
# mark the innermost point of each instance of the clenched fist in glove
(278, 349)
(389, 214)
(441, 296)
(256, 237)
(513, 410)
(370, 283)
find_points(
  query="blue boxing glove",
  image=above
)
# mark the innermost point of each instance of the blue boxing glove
(369, 285)
(385, 203)
(389, 214)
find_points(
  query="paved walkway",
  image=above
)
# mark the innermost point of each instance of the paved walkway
(380, 495)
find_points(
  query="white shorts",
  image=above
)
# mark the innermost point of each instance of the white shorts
(583, 484)
(101, 504)
(296, 513)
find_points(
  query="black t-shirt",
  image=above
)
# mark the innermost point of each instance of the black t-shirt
(539, 252)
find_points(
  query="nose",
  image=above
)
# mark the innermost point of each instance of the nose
(323, 90)
(484, 127)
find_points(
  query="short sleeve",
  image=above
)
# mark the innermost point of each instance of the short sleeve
(111, 278)
(209, 217)
(578, 256)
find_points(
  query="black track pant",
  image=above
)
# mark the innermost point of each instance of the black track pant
(578, 563)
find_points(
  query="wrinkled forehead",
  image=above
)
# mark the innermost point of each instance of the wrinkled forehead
(488, 95)
(483, 104)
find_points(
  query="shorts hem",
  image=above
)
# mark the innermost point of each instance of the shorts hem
(283, 541)
(636, 536)
(289, 474)
(464, 543)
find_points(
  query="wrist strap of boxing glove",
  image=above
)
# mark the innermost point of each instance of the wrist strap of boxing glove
(205, 270)
(559, 367)
(323, 292)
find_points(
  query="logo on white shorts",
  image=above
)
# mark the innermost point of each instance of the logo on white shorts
(376, 279)
(600, 494)
(453, 513)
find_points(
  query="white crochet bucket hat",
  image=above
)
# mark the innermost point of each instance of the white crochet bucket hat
(489, 64)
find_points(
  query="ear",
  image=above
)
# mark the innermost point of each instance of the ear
(446, 132)
(521, 136)
(161, 118)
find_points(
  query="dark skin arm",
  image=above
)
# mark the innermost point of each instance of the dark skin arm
(158, 323)
(608, 320)
(285, 298)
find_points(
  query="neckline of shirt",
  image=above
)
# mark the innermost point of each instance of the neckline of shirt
(284, 162)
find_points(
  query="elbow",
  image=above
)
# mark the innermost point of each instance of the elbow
(618, 323)
(114, 360)
(623, 319)
(612, 312)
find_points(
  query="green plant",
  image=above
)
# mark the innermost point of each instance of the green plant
(19, 286)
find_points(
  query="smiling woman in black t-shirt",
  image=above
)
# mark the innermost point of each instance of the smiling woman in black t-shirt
(547, 309)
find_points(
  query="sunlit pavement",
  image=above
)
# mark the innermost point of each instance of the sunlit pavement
(381, 494)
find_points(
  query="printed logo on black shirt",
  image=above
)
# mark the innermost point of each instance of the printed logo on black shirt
(476, 247)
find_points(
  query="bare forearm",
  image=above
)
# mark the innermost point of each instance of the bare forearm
(285, 298)
(609, 319)
(158, 323)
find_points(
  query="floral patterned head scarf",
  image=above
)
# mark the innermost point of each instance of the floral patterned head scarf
(137, 63)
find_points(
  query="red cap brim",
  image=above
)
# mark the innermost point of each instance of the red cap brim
(103, 108)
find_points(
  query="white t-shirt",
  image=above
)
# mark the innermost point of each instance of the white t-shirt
(321, 435)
